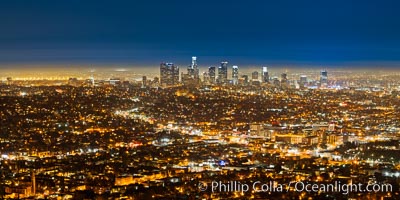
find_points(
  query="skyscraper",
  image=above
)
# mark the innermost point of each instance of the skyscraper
(284, 80)
(245, 79)
(169, 74)
(235, 75)
(284, 77)
(206, 78)
(303, 80)
(193, 70)
(323, 79)
(265, 76)
(223, 72)
(254, 76)
(275, 81)
(211, 73)
(192, 76)
(144, 81)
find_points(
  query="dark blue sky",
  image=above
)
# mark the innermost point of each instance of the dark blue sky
(252, 32)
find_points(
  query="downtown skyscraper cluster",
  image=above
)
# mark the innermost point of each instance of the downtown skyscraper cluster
(171, 76)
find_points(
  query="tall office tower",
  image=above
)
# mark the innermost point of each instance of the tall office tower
(144, 81)
(284, 80)
(275, 81)
(169, 74)
(223, 72)
(175, 75)
(245, 79)
(186, 79)
(211, 74)
(235, 75)
(193, 70)
(265, 76)
(284, 77)
(206, 78)
(254, 76)
(323, 79)
(303, 80)
(190, 71)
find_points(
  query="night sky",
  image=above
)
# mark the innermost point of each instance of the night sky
(252, 32)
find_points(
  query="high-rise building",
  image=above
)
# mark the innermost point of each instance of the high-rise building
(275, 81)
(193, 70)
(144, 81)
(265, 75)
(245, 79)
(235, 75)
(303, 80)
(284, 77)
(323, 79)
(192, 76)
(186, 79)
(211, 74)
(284, 80)
(206, 78)
(254, 76)
(223, 72)
(169, 74)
